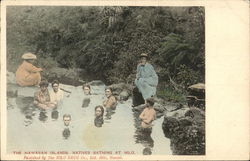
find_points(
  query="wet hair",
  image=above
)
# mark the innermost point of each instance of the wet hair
(67, 115)
(55, 82)
(151, 101)
(144, 57)
(86, 85)
(102, 109)
(44, 83)
(109, 89)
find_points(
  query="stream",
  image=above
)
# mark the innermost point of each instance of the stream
(30, 129)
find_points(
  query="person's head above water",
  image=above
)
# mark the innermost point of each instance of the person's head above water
(55, 85)
(86, 89)
(150, 102)
(66, 119)
(43, 85)
(144, 58)
(99, 111)
(108, 92)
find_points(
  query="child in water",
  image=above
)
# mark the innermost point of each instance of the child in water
(66, 119)
(148, 115)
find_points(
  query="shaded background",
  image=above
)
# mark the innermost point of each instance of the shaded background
(105, 42)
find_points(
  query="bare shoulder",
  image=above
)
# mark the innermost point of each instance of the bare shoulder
(113, 98)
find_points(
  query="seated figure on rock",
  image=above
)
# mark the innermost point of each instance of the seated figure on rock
(146, 81)
(27, 73)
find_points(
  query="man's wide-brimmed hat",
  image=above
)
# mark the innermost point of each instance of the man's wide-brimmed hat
(28, 56)
(144, 55)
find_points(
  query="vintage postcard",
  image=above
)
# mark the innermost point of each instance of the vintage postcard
(123, 80)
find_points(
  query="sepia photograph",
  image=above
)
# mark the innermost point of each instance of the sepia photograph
(108, 78)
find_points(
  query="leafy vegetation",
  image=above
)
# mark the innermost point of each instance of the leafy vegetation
(106, 41)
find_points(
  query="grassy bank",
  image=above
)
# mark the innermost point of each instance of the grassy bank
(172, 95)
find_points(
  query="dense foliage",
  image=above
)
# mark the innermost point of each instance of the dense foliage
(106, 41)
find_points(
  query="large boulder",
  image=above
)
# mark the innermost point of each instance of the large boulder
(118, 88)
(177, 113)
(159, 107)
(186, 129)
(65, 76)
(139, 108)
(196, 95)
(124, 95)
(169, 126)
(121, 90)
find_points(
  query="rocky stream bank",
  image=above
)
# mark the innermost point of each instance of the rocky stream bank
(183, 125)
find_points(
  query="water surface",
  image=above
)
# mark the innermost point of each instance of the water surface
(30, 129)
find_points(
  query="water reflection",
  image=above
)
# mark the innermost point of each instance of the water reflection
(11, 103)
(25, 104)
(54, 115)
(98, 121)
(147, 151)
(85, 102)
(82, 126)
(109, 113)
(43, 116)
(28, 120)
(66, 133)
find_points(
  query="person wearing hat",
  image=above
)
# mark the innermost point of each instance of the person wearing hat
(146, 79)
(27, 74)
